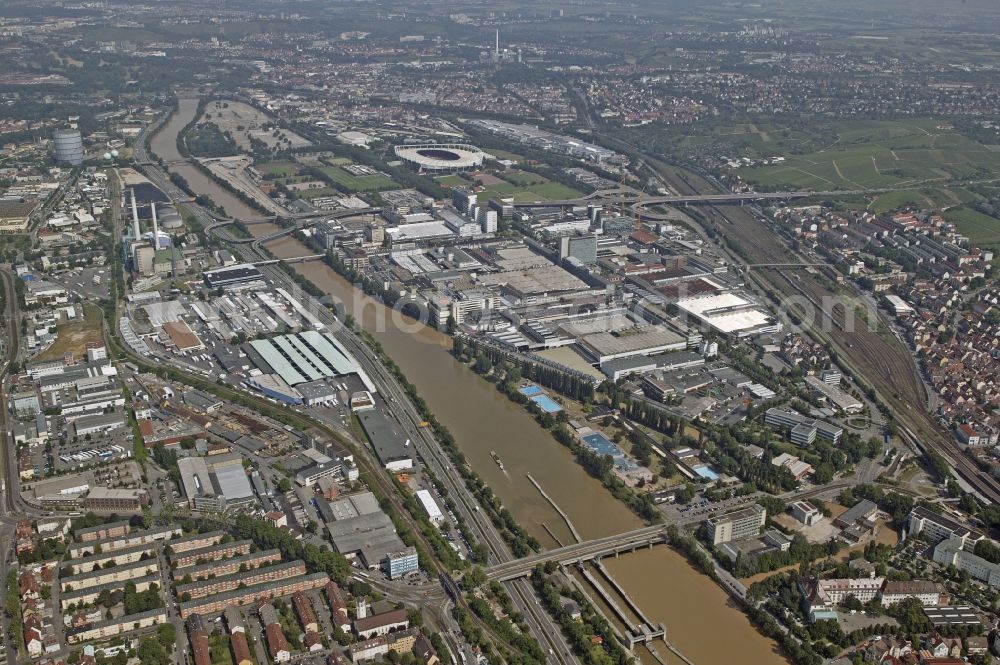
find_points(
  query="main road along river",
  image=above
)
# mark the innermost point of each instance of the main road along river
(699, 616)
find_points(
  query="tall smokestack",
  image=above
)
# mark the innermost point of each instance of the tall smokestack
(135, 217)
(498, 42)
(156, 229)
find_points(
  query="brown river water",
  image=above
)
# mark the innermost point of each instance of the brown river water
(700, 618)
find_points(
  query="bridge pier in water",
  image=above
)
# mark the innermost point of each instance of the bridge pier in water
(641, 632)
(635, 633)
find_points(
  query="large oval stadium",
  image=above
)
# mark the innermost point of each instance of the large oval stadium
(441, 156)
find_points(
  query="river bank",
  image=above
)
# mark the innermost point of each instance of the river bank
(661, 580)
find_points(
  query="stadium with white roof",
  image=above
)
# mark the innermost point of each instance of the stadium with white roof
(441, 157)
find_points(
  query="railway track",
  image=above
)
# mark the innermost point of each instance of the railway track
(881, 360)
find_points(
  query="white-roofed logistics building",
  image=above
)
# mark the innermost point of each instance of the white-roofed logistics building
(730, 314)
(434, 513)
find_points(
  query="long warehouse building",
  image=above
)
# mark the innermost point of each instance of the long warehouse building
(306, 356)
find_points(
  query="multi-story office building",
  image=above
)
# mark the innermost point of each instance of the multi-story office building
(464, 200)
(737, 525)
(487, 220)
(402, 562)
(115, 500)
(583, 248)
(821, 597)
(789, 420)
(950, 552)
(935, 528)
(925, 591)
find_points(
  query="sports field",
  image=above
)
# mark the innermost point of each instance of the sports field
(367, 183)
(523, 186)
(279, 168)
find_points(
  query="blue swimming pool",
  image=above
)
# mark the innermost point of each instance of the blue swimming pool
(530, 391)
(706, 472)
(602, 445)
(547, 404)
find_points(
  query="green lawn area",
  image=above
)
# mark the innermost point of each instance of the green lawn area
(278, 168)
(368, 183)
(219, 650)
(982, 230)
(503, 154)
(539, 189)
(338, 161)
(871, 155)
(893, 200)
(523, 178)
(75, 335)
(316, 193)
(551, 191)
(294, 179)
(452, 181)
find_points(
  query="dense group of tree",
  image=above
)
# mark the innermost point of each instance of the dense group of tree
(567, 382)
(580, 632)
(207, 140)
(267, 536)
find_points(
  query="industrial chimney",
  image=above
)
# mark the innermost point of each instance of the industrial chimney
(156, 229)
(135, 217)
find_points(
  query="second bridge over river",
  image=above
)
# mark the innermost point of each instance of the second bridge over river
(580, 552)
